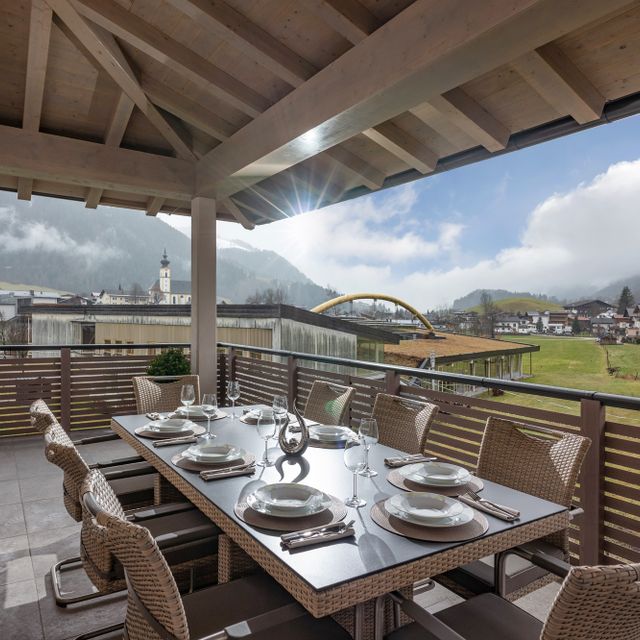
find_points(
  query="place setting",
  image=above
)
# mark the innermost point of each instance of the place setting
(166, 430)
(324, 436)
(435, 476)
(213, 460)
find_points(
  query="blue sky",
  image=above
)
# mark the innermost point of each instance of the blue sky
(546, 219)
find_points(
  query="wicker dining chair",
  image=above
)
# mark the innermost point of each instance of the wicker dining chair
(255, 605)
(403, 424)
(535, 460)
(328, 403)
(594, 603)
(161, 393)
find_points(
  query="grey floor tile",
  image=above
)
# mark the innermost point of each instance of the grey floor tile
(15, 561)
(9, 491)
(42, 515)
(539, 602)
(20, 612)
(8, 468)
(12, 521)
(60, 624)
(39, 487)
(51, 546)
(32, 462)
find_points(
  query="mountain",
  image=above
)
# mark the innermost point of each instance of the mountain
(522, 305)
(60, 244)
(611, 293)
(473, 299)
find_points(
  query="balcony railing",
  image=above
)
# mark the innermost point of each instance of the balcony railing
(86, 385)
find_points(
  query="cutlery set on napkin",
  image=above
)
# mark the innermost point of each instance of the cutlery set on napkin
(229, 472)
(472, 499)
(401, 461)
(317, 535)
(167, 442)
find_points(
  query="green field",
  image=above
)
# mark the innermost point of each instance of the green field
(580, 363)
(515, 305)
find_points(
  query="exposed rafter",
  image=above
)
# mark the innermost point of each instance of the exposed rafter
(561, 83)
(237, 213)
(154, 205)
(25, 188)
(469, 116)
(348, 17)
(43, 156)
(370, 177)
(156, 44)
(248, 38)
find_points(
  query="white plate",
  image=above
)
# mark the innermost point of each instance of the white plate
(195, 411)
(288, 500)
(426, 506)
(170, 425)
(217, 453)
(435, 474)
(464, 517)
(330, 433)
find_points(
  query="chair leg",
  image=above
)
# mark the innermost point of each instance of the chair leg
(56, 579)
(378, 624)
(100, 632)
(500, 573)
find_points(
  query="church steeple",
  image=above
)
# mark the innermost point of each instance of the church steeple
(165, 275)
(165, 261)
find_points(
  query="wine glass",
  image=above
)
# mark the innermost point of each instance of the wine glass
(209, 408)
(280, 408)
(354, 460)
(233, 393)
(369, 434)
(266, 429)
(187, 396)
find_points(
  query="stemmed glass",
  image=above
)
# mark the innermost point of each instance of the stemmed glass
(209, 408)
(369, 434)
(266, 429)
(354, 460)
(280, 408)
(187, 396)
(233, 393)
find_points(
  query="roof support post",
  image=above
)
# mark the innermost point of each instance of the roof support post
(203, 293)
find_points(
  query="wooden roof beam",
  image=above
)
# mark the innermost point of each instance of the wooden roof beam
(404, 146)
(561, 83)
(349, 18)
(43, 156)
(238, 214)
(159, 46)
(154, 205)
(423, 52)
(471, 117)
(370, 177)
(248, 38)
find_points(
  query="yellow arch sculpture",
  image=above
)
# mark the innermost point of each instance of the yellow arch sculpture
(321, 308)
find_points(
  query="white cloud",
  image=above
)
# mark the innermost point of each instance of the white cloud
(585, 238)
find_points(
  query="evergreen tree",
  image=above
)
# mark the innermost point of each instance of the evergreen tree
(575, 327)
(626, 300)
(539, 325)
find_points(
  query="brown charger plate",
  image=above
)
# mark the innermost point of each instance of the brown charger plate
(143, 432)
(398, 480)
(183, 462)
(336, 512)
(474, 529)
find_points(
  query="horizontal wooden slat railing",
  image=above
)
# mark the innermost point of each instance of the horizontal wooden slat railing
(85, 387)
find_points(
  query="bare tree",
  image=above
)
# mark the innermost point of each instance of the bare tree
(489, 313)
(138, 294)
(276, 295)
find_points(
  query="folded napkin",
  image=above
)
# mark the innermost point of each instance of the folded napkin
(166, 442)
(247, 470)
(154, 415)
(492, 508)
(401, 461)
(317, 535)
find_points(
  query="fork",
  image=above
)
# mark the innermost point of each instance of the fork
(478, 498)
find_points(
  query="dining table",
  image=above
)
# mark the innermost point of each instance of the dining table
(350, 573)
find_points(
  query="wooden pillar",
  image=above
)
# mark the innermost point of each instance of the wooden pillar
(203, 293)
(65, 388)
(592, 419)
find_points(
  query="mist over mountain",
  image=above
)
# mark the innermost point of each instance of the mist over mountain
(611, 293)
(59, 244)
(473, 299)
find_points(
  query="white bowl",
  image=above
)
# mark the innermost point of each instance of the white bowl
(436, 474)
(330, 433)
(288, 500)
(464, 517)
(171, 425)
(215, 453)
(427, 506)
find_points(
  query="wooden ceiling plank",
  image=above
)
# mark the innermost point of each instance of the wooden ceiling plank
(182, 107)
(404, 146)
(349, 18)
(25, 188)
(471, 117)
(156, 44)
(43, 156)
(248, 38)
(237, 213)
(154, 205)
(93, 197)
(561, 83)
(106, 51)
(37, 55)
(424, 51)
(371, 177)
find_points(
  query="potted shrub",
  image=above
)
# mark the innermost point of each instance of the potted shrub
(171, 362)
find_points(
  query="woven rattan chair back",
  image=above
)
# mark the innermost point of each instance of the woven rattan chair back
(328, 403)
(597, 603)
(542, 462)
(153, 598)
(403, 424)
(41, 416)
(152, 394)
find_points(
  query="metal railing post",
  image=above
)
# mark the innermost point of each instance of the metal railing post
(65, 388)
(592, 418)
(222, 377)
(292, 380)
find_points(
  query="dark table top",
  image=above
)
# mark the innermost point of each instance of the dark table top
(373, 549)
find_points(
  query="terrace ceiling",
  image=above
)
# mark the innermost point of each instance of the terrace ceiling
(274, 107)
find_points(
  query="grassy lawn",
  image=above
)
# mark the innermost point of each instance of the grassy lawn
(579, 363)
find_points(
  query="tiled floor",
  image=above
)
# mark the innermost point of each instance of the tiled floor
(36, 532)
